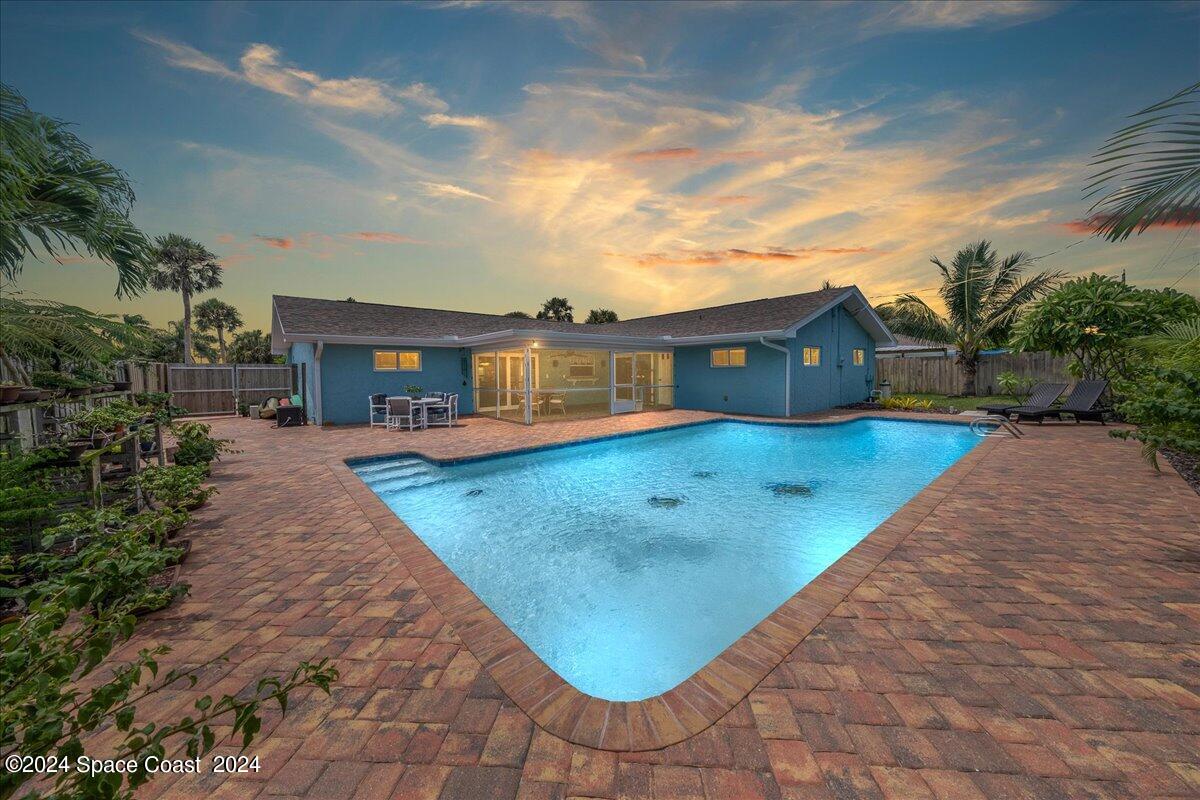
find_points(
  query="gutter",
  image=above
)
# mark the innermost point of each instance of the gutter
(787, 373)
(317, 408)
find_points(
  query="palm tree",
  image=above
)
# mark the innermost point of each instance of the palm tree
(33, 330)
(214, 314)
(558, 309)
(599, 316)
(251, 347)
(983, 296)
(1150, 169)
(184, 265)
(56, 194)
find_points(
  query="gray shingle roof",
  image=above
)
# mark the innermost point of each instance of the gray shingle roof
(303, 315)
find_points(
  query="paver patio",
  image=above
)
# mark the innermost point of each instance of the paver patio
(1036, 635)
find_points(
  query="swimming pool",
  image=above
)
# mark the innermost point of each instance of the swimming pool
(628, 564)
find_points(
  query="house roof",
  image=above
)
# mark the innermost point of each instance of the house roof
(310, 319)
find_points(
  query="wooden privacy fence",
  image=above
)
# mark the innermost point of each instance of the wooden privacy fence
(942, 375)
(219, 388)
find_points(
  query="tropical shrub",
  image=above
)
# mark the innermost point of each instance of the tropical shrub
(1095, 320)
(906, 403)
(56, 381)
(197, 446)
(32, 485)
(107, 417)
(1012, 384)
(1165, 405)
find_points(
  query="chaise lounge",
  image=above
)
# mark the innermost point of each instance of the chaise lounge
(1042, 395)
(1081, 403)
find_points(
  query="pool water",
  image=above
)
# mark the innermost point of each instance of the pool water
(628, 564)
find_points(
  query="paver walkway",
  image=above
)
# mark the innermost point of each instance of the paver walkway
(1036, 636)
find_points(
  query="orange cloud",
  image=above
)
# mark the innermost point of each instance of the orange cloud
(705, 258)
(280, 242)
(694, 154)
(225, 238)
(664, 154)
(1182, 219)
(383, 236)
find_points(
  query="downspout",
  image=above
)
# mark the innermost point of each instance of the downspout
(787, 373)
(317, 410)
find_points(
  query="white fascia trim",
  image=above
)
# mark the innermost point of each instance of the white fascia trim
(279, 342)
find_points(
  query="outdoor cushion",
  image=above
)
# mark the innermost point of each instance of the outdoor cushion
(296, 401)
(283, 401)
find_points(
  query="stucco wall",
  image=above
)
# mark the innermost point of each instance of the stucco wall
(836, 380)
(756, 388)
(348, 378)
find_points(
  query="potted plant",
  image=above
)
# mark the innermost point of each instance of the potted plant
(197, 447)
(413, 390)
(175, 487)
(243, 409)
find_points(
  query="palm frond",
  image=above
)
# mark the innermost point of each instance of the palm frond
(1149, 171)
(911, 316)
(1177, 345)
(57, 197)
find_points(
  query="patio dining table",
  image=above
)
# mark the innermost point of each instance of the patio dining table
(424, 403)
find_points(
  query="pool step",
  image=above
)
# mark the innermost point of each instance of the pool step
(404, 474)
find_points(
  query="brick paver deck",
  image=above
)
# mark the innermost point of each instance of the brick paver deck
(1037, 634)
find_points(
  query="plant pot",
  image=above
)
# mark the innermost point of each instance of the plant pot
(9, 394)
(121, 386)
(45, 394)
(186, 546)
(28, 394)
(192, 505)
(78, 391)
(78, 447)
(168, 578)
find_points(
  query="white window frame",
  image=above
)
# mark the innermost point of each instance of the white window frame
(858, 356)
(809, 349)
(397, 368)
(712, 358)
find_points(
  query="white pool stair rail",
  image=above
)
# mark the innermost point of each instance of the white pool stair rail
(983, 426)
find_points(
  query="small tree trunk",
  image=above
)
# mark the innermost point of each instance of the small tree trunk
(221, 344)
(969, 366)
(187, 328)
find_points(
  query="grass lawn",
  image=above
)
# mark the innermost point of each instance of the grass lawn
(965, 403)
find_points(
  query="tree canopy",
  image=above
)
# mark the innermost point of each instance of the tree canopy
(599, 316)
(558, 309)
(56, 195)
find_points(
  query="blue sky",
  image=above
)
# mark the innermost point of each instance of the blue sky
(642, 157)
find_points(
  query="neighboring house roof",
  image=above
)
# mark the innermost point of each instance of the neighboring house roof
(339, 321)
(911, 344)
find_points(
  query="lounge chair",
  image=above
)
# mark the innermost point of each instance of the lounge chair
(1042, 395)
(1081, 403)
(401, 414)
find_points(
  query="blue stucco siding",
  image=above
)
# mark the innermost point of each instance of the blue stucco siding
(836, 380)
(348, 378)
(756, 388)
(302, 353)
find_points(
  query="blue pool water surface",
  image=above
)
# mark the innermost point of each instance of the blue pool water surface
(628, 564)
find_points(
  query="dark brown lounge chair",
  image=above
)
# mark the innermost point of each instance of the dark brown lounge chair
(1042, 395)
(1081, 403)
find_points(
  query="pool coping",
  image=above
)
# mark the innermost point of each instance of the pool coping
(702, 699)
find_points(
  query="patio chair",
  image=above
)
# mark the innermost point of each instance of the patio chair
(445, 413)
(1042, 395)
(1080, 403)
(557, 400)
(401, 414)
(379, 408)
(537, 404)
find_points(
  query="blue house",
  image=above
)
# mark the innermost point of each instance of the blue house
(773, 357)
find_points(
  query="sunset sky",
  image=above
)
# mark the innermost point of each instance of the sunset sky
(639, 157)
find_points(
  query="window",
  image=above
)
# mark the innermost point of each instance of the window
(397, 360)
(812, 356)
(859, 356)
(728, 357)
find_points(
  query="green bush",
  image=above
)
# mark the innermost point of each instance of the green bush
(1165, 405)
(197, 446)
(174, 486)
